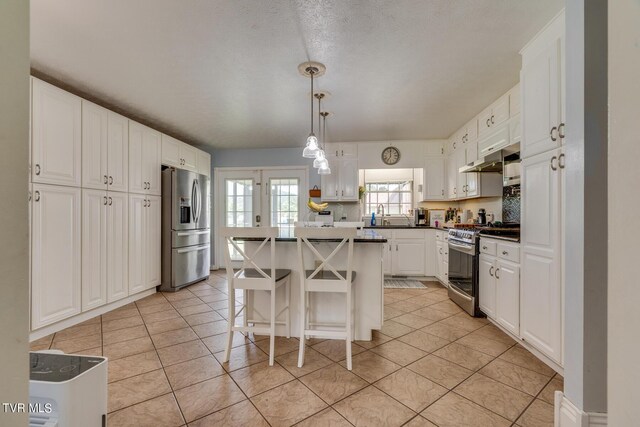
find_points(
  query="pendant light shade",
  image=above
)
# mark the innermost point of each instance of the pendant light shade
(311, 149)
(324, 169)
(320, 157)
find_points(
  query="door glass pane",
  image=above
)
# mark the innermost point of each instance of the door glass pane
(284, 204)
(238, 207)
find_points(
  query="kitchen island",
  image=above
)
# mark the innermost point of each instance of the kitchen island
(326, 307)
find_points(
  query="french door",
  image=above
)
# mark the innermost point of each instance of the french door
(259, 197)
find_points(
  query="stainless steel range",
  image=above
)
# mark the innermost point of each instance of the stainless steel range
(464, 269)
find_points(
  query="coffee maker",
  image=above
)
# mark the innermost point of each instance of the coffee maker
(420, 215)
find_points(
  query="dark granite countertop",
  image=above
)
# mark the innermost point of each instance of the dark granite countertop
(405, 227)
(513, 239)
(364, 236)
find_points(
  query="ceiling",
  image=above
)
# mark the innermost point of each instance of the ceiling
(224, 73)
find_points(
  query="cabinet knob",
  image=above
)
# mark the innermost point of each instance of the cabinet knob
(37, 196)
(553, 129)
(561, 130)
(110, 180)
(110, 201)
(488, 123)
(37, 167)
(104, 200)
(491, 271)
(484, 247)
(497, 269)
(396, 248)
(492, 117)
(443, 192)
(505, 253)
(106, 180)
(554, 167)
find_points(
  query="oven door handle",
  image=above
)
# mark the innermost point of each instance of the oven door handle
(461, 294)
(470, 250)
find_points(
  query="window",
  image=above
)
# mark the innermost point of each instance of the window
(284, 204)
(396, 197)
(239, 206)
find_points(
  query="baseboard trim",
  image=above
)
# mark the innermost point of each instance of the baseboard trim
(79, 318)
(566, 414)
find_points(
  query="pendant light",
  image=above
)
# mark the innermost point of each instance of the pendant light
(312, 70)
(324, 168)
(320, 153)
(312, 142)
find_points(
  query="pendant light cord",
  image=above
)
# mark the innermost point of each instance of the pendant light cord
(311, 72)
(320, 130)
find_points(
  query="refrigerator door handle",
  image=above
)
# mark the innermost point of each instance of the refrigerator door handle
(192, 249)
(194, 201)
(199, 200)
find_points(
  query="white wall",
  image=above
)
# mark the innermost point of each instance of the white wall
(624, 200)
(14, 140)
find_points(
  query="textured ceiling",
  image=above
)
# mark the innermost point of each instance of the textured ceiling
(224, 73)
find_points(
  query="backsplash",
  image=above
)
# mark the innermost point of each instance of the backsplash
(511, 204)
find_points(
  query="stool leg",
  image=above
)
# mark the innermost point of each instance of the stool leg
(288, 303)
(273, 325)
(230, 322)
(348, 326)
(303, 323)
(245, 295)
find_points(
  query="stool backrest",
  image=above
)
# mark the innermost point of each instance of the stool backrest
(261, 235)
(306, 235)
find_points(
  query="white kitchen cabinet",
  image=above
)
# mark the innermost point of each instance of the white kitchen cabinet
(144, 159)
(408, 257)
(117, 246)
(342, 183)
(487, 285)
(144, 242)
(442, 257)
(105, 148)
(541, 253)
(204, 163)
(387, 256)
(499, 283)
(94, 253)
(104, 247)
(56, 257)
(56, 136)
(507, 275)
(434, 184)
(430, 263)
(178, 154)
(494, 115)
(452, 175)
(541, 79)
(515, 101)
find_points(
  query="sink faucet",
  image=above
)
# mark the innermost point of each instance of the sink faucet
(408, 220)
(380, 211)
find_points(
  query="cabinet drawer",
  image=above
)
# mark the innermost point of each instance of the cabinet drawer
(509, 252)
(408, 234)
(488, 247)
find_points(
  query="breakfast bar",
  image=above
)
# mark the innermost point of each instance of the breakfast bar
(327, 308)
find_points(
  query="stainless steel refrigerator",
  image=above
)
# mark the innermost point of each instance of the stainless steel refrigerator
(186, 213)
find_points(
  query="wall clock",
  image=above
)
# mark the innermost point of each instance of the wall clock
(390, 155)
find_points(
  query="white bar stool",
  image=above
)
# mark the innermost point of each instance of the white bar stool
(251, 277)
(325, 278)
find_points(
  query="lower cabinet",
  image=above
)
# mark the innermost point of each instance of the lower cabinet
(55, 254)
(105, 243)
(442, 257)
(144, 242)
(499, 293)
(408, 257)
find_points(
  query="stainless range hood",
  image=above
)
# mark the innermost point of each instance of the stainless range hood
(490, 163)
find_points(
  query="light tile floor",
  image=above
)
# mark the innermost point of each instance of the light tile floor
(430, 365)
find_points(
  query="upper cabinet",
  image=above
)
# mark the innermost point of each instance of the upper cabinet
(493, 116)
(342, 183)
(178, 154)
(56, 135)
(204, 163)
(434, 183)
(542, 100)
(144, 159)
(105, 148)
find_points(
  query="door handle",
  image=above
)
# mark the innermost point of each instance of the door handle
(110, 180)
(106, 179)
(396, 248)
(497, 269)
(104, 201)
(37, 168)
(561, 130)
(492, 117)
(491, 271)
(110, 201)
(488, 122)
(561, 161)
(553, 129)
(37, 196)
(554, 168)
